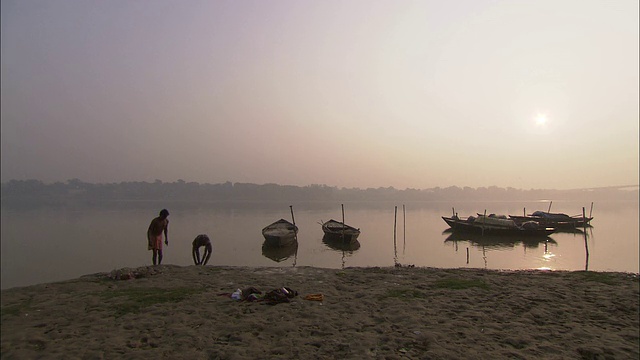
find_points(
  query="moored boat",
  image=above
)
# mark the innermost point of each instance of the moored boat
(490, 225)
(280, 233)
(336, 230)
(557, 220)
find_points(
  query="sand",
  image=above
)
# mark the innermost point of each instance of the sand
(366, 313)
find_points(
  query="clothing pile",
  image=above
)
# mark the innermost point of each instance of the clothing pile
(272, 297)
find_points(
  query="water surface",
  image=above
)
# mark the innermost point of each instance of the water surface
(51, 243)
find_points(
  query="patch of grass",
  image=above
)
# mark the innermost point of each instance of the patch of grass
(404, 294)
(459, 284)
(137, 299)
(604, 278)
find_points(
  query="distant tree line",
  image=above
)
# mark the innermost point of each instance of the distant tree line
(75, 189)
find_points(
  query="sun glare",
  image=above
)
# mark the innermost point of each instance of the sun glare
(541, 120)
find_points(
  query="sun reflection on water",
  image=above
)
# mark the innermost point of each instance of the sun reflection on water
(547, 257)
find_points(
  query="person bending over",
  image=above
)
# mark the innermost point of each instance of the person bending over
(154, 235)
(199, 241)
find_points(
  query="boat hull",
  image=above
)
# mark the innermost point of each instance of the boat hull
(345, 238)
(280, 233)
(337, 231)
(279, 241)
(464, 226)
(568, 223)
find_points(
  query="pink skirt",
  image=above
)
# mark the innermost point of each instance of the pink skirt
(155, 242)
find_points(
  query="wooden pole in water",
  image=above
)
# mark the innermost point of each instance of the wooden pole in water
(586, 251)
(584, 220)
(549, 211)
(524, 211)
(294, 222)
(467, 255)
(404, 226)
(591, 211)
(395, 219)
(295, 232)
(342, 205)
(484, 219)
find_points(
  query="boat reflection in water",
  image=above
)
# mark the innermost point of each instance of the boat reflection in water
(576, 231)
(340, 245)
(279, 253)
(347, 248)
(497, 241)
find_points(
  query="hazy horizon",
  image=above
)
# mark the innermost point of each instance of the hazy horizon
(352, 94)
(74, 183)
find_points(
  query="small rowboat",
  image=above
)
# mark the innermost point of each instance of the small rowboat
(335, 230)
(280, 233)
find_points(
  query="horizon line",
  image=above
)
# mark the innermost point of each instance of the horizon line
(617, 187)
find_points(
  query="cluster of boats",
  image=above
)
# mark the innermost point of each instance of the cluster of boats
(537, 224)
(283, 233)
(281, 237)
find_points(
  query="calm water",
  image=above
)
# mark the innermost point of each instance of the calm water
(44, 243)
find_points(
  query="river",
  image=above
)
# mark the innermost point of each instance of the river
(43, 243)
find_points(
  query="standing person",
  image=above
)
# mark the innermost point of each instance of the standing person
(154, 235)
(199, 241)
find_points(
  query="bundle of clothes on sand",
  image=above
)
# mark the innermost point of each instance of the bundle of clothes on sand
(271, 297)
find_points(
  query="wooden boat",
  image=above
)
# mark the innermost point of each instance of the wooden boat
(486, 225)
(280, 233)
(336, 230)
(557, 220)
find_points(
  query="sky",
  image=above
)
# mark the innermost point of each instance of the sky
(358, 94)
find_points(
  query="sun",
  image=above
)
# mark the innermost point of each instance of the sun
(541, 120)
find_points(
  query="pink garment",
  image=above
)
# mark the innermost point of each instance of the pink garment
(155, 242)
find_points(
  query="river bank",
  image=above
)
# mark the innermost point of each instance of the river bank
(355, 313)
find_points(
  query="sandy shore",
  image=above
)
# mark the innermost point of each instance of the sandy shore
(366, 313)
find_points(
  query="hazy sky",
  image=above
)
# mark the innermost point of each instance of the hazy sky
(417, 94)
